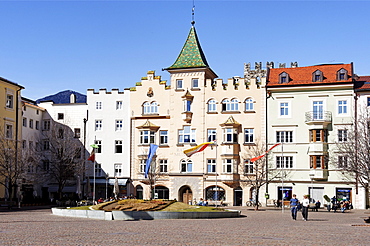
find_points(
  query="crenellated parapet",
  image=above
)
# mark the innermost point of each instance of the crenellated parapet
(105, 91)
(151, 77)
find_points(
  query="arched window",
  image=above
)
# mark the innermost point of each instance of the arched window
(162, 192)
(283, 78)
(150, 108)
(186, 166)
(146, 108)
(214, 193)
(232, 105)
(212, 107)
(249, 105)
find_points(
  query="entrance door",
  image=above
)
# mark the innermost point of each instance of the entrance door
(318, 110)
(187, 196)
(238, 196)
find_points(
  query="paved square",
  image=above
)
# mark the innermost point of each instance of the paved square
(269, 227)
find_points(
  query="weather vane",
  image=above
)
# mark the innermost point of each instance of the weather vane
(192, 14)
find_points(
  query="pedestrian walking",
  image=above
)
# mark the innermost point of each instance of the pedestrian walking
(305, 205)
(294, 206)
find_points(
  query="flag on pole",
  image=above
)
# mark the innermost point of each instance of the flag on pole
(196, 149)
(92, 156)
(152, 150)
(259, 157)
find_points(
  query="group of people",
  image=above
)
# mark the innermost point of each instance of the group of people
(202, 202)
(295, 205)
(343, 205)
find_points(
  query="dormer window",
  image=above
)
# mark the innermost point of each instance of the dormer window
(342, 74)
(317, 76)
(283, 78)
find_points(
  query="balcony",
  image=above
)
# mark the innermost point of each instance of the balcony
(319, 174)
(318, 118)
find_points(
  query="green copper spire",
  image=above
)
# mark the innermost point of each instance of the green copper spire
(191, 55)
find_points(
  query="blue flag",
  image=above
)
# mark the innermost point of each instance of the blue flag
(152, 150)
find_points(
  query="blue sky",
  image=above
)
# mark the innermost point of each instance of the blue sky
(50, 46)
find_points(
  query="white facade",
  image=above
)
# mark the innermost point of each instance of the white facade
(108, 126)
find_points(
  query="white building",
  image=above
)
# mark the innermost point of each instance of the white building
(108, 126)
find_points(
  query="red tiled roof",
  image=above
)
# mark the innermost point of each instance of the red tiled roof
(303, 75)
(363, 83)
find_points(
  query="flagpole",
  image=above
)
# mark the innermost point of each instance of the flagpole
(282, 177)
(216, 176)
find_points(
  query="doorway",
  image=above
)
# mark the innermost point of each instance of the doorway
(185, 195)
(238, 196)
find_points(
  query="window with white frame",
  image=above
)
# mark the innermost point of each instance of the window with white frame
(187, 105)
(118, 105)
(248, 167)
(9, 131)
(146, 108)
(284, 109)
(147, 137)
(342, 107)
(342, 162)
(119, 125)
(212, 107)
(248, 135)
(230, 135)
(342, 135)
(163, 167)
(142, 165)
(117, 170)
(195, 83)
(230, 105)
(284, 162)
(187, 135)
(249, 104)
(163, 137)
(9, 101)
(186, 166)
(284, 136)
(211, 135)
(227, 166)
(98, 125)
(150, 108)
(211, 165)
(99, 144)
(118, 146)
(98, 170)
(179, 84)
(98, 105)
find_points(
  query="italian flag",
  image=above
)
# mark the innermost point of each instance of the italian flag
(196, 149)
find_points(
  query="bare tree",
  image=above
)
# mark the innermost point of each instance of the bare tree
(64, 153)
(258, 173)
(12, 165)
(352, 152)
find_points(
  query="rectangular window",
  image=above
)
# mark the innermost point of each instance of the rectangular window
(163, 137)
(342, 162)
(46, 145)
(318, 135)
(248, 135)
(117, 170)
(99, 143)
(31, 124)
(98, 125)
(119, 105)
(147, 137)
(230, 135)
(342, 135)
(60, 116)
(24, 122)
(46, 125)
(46, 165)
(211, 165)
(284, 161)
(179, 84)
(187, 135)
(186, 166)
(118, 146)
(227, 166)
(98, 105)
(211, 135)
(187, 106)
(119, 125)
(195, 83)
(342, 107)
(98, 170)
(284, 136)
(9, 101)
(61, 133)
(248, 167)
(142, 165)
(317, 162)
(163, 168)
(24, 144)
(284, 109)
(77, 132)
(8, 131)
(37, 126)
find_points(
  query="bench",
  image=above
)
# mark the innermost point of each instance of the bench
(271, 203)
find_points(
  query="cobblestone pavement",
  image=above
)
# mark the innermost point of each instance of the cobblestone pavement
(265, 227)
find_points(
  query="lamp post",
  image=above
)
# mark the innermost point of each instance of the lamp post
(312, 174)
(106, 186)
